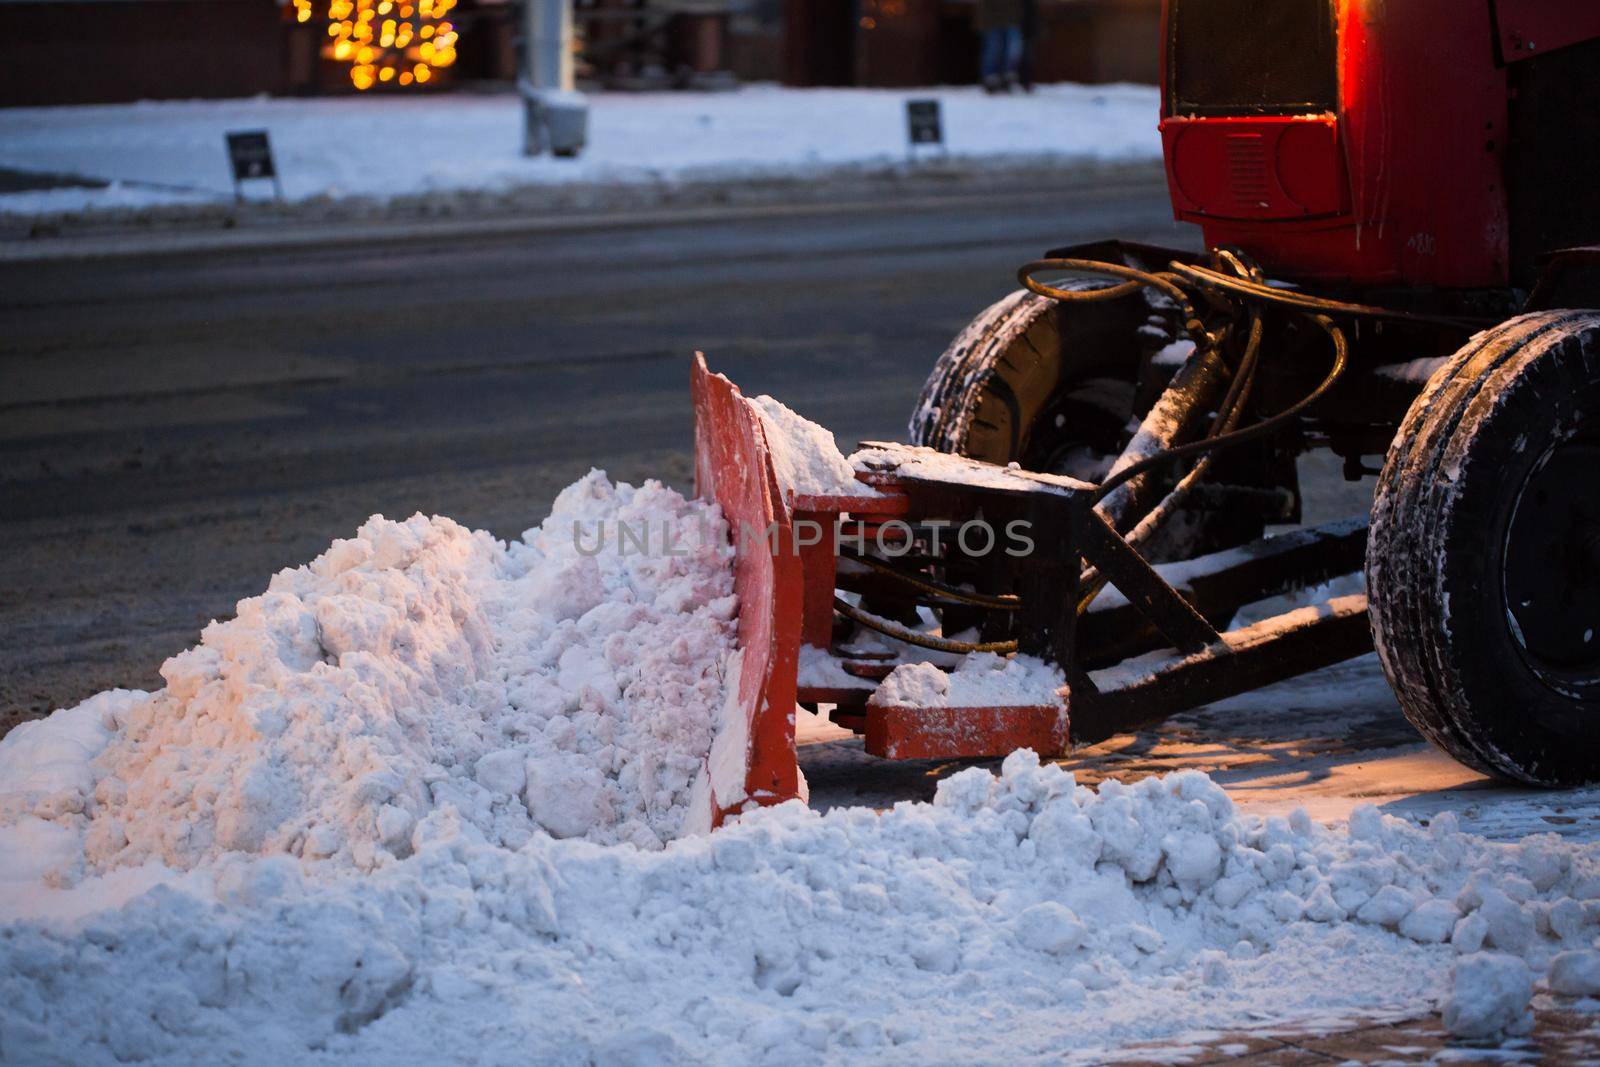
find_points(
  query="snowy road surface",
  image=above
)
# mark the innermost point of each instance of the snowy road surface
(378, 148)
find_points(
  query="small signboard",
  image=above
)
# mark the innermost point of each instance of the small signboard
(250, 154)
(923, 122)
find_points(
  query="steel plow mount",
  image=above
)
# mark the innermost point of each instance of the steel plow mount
(838, 590)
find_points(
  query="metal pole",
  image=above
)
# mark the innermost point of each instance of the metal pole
(550, 43)
(555, 117)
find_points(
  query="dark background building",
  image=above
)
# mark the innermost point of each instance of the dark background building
(101, 51)
(933, 42)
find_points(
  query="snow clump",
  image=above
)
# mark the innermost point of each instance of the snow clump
(1064, 918)
(805, 456)
(981, 680)
(546, 686)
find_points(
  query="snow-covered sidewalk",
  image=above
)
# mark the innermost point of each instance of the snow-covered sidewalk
(382, 148)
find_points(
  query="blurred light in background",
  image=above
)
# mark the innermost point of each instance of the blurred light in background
(386, 41)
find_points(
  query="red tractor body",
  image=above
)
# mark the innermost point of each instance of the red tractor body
(1363, 143)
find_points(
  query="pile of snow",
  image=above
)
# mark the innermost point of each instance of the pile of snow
(413, 668)
(393, 146)
(1056, 922)
(416, 796)
(983, 680)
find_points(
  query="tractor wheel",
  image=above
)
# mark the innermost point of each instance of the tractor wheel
(1483, 564)
(1055, 387)
(1048, 385)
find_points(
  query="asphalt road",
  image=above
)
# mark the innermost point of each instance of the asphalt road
(175, 428)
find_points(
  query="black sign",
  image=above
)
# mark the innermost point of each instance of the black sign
(922, 120)
(251, 155)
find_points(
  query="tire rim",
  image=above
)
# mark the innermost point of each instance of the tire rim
(1551, 566)
(1083, 430)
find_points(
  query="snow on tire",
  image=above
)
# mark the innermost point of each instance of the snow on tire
(1482, 559)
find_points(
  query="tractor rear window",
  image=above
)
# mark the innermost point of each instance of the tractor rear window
(1246, 57)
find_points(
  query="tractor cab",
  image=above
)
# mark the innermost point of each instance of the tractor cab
(1364, 144)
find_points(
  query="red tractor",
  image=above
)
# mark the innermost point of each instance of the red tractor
(1396, 196)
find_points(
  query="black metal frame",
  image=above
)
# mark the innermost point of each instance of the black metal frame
(1182, 615)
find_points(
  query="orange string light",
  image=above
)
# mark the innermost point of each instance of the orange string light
(406, 46)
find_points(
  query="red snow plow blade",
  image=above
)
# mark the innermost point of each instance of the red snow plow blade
(807, 600)
(732, 466)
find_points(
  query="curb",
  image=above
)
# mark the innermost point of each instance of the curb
(562, 209)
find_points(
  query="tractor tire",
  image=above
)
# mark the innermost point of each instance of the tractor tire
(1030, 380)
(1483, 563)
